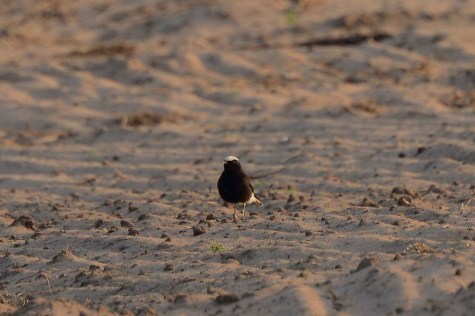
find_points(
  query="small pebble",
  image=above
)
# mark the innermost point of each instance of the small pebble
(420, 150)
(125, 223)
(133, 208)
(133, 231)
(199, 230)
(291, 198)
(366, 262)
(98, 223)
(227, 298)
(168, 267)
(210, 217)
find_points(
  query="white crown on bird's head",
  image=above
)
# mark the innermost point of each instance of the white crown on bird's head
(230, 158)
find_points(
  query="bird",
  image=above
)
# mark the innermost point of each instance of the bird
(235, 186)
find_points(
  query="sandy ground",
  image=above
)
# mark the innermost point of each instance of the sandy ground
(358, 116)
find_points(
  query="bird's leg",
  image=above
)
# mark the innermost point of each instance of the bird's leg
(234, 214)
(243, 210)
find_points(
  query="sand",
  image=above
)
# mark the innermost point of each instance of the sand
(355, 117)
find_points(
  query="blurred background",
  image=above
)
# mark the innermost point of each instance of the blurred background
(322, 83)
(108, 108)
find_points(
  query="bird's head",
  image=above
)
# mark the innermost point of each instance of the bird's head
(231, 163)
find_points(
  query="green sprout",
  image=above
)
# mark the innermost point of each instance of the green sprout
(216, 247)
(292, 17)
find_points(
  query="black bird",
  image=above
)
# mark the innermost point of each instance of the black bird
(235, 186)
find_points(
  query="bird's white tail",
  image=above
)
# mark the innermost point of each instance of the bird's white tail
(254, 199)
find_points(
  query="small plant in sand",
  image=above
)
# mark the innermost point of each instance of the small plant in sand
(216, 247)
(292, 17)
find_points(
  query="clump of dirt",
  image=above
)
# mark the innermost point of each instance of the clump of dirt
(26, 221)
(105, 50)
(149, 119)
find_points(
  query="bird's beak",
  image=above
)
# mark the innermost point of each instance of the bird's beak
(223, 162)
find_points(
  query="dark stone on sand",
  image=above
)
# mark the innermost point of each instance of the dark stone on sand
(94, 267)
(210, 217)
(98, 223)
(183, 216)
(142, 217)
(168, 267)
(133, 231)
(199, 230)
(368, 203)
(125, 223)
(420, 150)
(227, 298)
(26, 221)
(133, 208)
(163, 246)
(366, 263)
(180, 298)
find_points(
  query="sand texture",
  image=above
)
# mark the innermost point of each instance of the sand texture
(357, 119)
